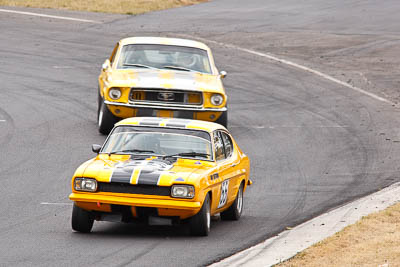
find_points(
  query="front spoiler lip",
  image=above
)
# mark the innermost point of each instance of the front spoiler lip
(134, 105)
(135, 201)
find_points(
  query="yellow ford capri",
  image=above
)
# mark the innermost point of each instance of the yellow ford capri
(160, 77)
(162, 171)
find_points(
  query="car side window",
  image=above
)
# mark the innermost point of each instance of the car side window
(219, 146)
(112, 57)
(228, 145)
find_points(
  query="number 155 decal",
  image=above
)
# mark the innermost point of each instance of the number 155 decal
(224, 193)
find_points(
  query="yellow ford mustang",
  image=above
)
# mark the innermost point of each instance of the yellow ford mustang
(160, 77)
(162, 171)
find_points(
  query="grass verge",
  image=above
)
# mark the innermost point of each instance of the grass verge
(130, 7)
(372, 241)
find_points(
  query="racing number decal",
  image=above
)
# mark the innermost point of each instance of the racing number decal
(224, 193)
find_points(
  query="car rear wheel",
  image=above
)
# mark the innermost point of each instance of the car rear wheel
(234, 212)
(105, 119)
(223, 119)
(200, 223)
(82, 220)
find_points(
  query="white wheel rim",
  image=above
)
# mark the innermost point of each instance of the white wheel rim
(208, 216)
(100, 116)
(239, 205)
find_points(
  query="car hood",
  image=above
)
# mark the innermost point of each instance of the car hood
(149, 171)
(165, 79)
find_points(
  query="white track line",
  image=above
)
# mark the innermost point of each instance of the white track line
(58, 204)
(2, 120)
(290, 63)
(47, 16)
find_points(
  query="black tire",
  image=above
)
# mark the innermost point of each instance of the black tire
(105, 119)
(99, 102)
(234, 212)
(82, 220)
(223, 119)
(200, 223)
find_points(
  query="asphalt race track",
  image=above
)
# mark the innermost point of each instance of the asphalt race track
(313, 144)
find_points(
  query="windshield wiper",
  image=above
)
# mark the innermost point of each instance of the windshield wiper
(138, 65)
(177, 68)
(187, 154)
(131, 150)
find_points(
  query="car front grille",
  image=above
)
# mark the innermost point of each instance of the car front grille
(165, 96)
(134, 189)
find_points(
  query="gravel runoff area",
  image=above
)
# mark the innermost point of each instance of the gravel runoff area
(132, 7)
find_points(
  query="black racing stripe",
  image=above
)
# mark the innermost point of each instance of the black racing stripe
(177, 123)
(150, 122)
(120, 175)
(149, 178)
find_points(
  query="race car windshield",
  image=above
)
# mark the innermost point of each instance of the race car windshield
(149, 141)
(179, 58)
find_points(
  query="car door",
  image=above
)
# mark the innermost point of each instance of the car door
(224, 154)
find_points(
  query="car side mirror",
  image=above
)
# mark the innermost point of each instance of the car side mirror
(96, 148)
(106, 65)
(223, 74)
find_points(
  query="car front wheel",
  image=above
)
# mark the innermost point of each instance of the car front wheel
(223, 119)
(82, 220)
(200, 223)
(105, 119)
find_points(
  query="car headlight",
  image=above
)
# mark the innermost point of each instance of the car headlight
(182, 191)
(114, 93)
(85, 184)
(217, 99)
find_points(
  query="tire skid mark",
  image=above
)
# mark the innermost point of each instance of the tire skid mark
(363, 48)
(355, 142)
(43, 127)
(301, 193)
(301, 196)
(128, 262)
(26, 134)
(17, 166)
(61, 96)
(140, 255)
(39, 74)
(304, 86)
(351, 132)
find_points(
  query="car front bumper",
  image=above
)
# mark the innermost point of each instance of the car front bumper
(178, 204)
(127, 110)
(168, 107)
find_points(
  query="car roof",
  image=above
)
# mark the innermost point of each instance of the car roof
(164, 41)
(172, 123)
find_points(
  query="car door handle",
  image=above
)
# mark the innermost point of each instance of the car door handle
(233, 164)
